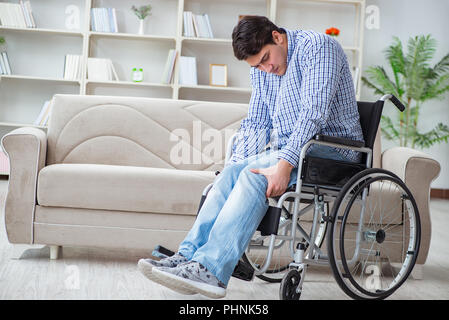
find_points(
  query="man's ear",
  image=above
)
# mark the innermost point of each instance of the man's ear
(277, 38)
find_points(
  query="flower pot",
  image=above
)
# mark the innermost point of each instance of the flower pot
(141, 26)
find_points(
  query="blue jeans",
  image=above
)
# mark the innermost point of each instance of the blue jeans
(232, 211)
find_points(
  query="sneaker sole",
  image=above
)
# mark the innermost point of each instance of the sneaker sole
(147, 270)
(179, 283)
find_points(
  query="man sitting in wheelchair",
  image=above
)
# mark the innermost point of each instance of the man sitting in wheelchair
(301, 86)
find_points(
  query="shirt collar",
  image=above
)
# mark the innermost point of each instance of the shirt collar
(291, 43)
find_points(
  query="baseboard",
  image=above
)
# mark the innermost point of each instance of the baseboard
(439, 193)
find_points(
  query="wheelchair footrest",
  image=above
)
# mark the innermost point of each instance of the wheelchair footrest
(162, 252)
(243, 271)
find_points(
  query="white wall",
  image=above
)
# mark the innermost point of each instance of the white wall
(405, 18)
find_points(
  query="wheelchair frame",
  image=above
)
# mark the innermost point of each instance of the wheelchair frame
(315, 256)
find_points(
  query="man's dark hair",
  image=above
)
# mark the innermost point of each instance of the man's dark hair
(251, 34)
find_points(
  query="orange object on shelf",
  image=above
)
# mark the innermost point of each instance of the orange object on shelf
(333, 31)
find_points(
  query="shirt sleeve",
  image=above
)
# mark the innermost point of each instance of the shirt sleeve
(254, 131)
(320, 74)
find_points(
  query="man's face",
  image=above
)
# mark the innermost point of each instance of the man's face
(272, 58)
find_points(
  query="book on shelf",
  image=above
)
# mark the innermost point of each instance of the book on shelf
(73, 67)
(18, 15)
(4, 64)
(187, 71)
(101, 69)
(104, 20)
(167, 75)
(188, 24)
(197, 25)
(44, 115)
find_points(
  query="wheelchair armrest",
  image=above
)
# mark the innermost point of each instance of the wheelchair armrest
(338, 140)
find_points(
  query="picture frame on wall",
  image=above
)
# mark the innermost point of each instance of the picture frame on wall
(218, 75)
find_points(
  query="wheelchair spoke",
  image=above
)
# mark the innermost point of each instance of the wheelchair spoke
(371, 233)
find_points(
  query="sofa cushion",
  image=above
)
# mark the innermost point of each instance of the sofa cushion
(125, 188)
(142, 132)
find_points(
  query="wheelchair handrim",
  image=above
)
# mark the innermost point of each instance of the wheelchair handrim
(413, 245)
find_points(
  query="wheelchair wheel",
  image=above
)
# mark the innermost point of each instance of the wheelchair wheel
(374, 236)
(256, 253)
(289, 284)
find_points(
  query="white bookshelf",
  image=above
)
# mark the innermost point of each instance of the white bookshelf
(37, 54)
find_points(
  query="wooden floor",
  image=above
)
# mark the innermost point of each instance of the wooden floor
(96, 273)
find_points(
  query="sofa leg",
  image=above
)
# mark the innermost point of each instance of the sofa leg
(18, 250)
(417, 272)
(55, 252)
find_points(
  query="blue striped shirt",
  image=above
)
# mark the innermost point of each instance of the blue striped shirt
(315, 96)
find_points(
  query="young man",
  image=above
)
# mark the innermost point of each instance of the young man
(302, 86)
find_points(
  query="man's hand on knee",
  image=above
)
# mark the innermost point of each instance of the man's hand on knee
(277, 176)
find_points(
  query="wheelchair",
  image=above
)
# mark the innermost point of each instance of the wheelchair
(371, 234)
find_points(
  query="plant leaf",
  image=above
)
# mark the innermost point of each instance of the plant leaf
(436, 88)
(378, 75)
(388, 129)
(420, 51)
(425, 140)
(371, 85)
(442, 66)
(395, 56)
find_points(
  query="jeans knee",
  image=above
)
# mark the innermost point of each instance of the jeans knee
(253, 179)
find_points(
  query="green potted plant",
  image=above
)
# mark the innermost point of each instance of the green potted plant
(2, 44)
(414, 82)
(141, 12)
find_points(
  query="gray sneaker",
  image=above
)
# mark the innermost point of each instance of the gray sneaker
(192, 276)
(146, 266)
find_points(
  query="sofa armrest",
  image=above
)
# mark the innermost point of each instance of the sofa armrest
(417, 169)
(26, 149)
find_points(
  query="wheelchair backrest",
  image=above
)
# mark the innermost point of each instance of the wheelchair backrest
(370, 114)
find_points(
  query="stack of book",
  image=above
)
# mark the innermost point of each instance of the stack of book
(73, 67)
(187, 71)
(17, 15)
(5, 68)
(99, 69)
(167, 76)
(197, 25)
(44, 115)
(104, 20)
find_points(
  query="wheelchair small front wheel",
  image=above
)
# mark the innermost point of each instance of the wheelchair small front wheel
(375, 235)
(256, 253)
(288, 289)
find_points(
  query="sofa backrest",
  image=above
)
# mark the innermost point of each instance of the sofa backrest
(135, 131)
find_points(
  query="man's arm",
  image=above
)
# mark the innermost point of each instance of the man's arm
(319, 85)
(254, 132)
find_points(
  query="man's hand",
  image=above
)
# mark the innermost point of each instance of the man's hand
(278, 177)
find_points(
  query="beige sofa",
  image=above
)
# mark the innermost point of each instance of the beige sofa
(109, 171)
